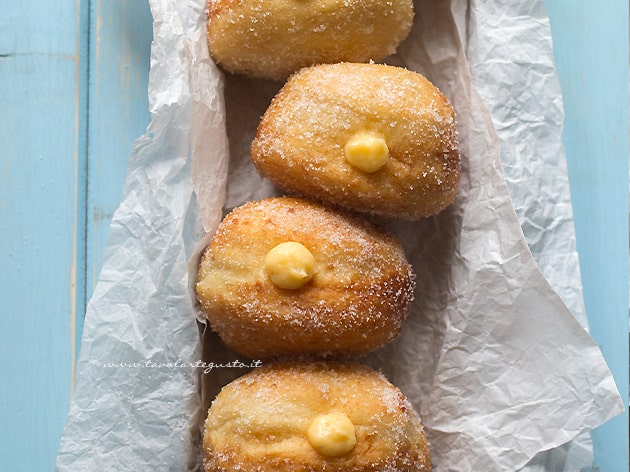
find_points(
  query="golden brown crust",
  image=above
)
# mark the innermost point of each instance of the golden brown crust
(355, 302)
(300, 140)
(259, 421)
(274, 38)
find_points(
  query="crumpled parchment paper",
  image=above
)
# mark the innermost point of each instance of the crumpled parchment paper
(490, 355)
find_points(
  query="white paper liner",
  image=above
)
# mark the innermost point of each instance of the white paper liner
(512, 67)
(492, 358)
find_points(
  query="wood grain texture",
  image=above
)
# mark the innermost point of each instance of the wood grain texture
(120, 42)
(40, 106)
(591, 50)
(56, 199)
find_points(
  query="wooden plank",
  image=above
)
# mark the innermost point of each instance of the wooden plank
(43, 123)
(120, 49)
(42, 246)
(591, 50)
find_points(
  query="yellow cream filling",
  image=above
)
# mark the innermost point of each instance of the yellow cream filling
(367, 151)
(332, 435)
(290, 265)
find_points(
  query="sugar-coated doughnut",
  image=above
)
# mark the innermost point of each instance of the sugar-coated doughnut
(274, 38)
(302, 417)
(339, 285)
(368, 137)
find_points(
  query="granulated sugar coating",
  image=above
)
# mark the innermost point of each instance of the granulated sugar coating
(259, 422)
(273, 38)
(300, 141)
(355, 302)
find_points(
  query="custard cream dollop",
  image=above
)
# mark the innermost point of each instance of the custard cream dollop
(332, 435)
(367, 151)
(290, 265)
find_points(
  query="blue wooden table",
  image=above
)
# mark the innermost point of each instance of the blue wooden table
(73, 97)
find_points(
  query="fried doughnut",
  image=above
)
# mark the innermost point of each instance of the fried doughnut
(273, 38)
(350, 283)
(313, 417)
(367, 137)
